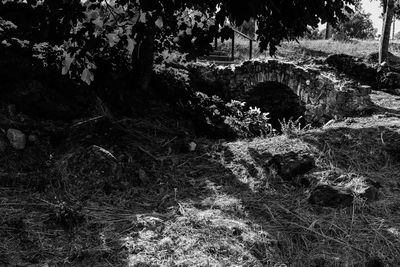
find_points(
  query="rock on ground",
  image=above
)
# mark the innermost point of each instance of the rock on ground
(331, 196)
(17, 138)
(292, 164)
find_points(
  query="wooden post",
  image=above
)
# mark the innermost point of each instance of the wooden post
(255, 29)
(215, 43)
(233, 46)
(251, 49)
(394, 26)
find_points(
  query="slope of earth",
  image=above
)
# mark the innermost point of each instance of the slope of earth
(132, 193)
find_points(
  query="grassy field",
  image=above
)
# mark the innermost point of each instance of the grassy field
(304, 49)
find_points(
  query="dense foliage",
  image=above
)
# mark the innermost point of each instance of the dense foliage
(358, 25)
(120, 31)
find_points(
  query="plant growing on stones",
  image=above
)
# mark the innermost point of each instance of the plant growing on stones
(293, 128)
(233, 118)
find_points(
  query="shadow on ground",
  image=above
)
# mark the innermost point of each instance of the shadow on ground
(218, 205)
(245, 209)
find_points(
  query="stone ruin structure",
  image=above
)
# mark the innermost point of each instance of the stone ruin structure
(321, 96)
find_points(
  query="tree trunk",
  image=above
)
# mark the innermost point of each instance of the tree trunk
(328, 31)
(394, 27)
(144, 62)
(384, 42)
(142, 65)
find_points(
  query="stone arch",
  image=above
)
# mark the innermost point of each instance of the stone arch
(278, 99)
(322, 96)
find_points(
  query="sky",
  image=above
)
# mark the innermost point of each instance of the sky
(375, 10)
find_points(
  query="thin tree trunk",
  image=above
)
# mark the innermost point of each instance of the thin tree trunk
(142, 64)
(384, 42)
(146, 58)
(328, 31)
(394, 27)
(255, 29)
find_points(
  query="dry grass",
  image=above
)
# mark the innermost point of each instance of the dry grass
(320, 237)
(304, 49)
(357, 48)
(215, 206)
(157, 205)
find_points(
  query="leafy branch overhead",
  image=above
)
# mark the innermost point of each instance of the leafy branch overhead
(113, 30)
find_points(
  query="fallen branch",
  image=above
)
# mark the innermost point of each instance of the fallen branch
(86, 121)
(149, 154)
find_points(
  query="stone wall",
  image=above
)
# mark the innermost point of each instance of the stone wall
(355, 67)
(381, 77)
(323, 97)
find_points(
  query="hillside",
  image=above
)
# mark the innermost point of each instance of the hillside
(151, 191)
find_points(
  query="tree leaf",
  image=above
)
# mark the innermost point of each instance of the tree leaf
(87, 76)
(112, 39)
(98, 22)
(66, 64)
(159, 23)
(131, 45)
(142, 18)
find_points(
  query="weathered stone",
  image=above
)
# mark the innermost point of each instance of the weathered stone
(364, 90)
(331, 196)
(16, 138)
(192, 146)
(308, 83)
(391, 80)
(370, 194)
(292, 164)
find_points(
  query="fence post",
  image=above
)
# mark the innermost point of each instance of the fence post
(233, 46)
(251, 49)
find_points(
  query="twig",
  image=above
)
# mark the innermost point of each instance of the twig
(327, 237)
(180, 165)
(149, 154)
(383, 142)
(166, 143)
(86, 121)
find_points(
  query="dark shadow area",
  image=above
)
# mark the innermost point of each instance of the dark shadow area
(277, 99)
(152, 175)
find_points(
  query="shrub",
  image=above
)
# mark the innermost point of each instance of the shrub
(232, 119)
(358, 25)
